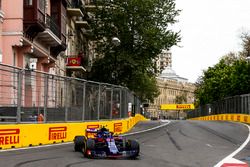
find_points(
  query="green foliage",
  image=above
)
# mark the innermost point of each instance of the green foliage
(143, 29)
(145, 86)
(231, 76)
(179, 99)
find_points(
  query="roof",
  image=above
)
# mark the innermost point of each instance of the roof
(169, 73)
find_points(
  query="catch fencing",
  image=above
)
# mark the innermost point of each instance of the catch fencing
(231, 105)
(26, 96)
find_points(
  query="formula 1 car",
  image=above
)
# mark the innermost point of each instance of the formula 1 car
(102, 143)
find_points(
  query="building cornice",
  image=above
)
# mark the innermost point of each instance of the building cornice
(11, 33)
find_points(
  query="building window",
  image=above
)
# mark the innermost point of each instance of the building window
(28, 2)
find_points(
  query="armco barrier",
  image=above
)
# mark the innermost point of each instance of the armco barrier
(25, 135)
(245, 118)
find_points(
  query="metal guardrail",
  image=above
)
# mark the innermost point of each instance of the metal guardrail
(236, 104)
(25, 94)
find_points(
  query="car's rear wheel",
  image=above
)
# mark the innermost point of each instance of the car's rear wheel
(79, 143)
(90, 145)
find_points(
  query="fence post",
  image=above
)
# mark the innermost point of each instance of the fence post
(98, 102)
(66, 99)
(125, 111)
(120, 107)
(111, 102)
(45, 97)
(83, 99)
(19, 95)
(248, 106)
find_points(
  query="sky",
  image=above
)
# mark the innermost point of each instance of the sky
(209, 29)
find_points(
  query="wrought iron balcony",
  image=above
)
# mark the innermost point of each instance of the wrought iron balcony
(75, 8)
(90, 5)
(81, 23)
(51, 36)
(51, 24)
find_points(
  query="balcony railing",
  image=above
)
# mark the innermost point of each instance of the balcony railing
(90, 5)
(76, 4)
(90, 2)
(76, 8)
(81, 23)
(41, 17)
(51, 24)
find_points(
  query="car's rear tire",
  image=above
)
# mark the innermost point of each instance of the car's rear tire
(90, 145)
(79, 143)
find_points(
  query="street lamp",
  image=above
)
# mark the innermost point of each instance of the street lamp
(116, 42)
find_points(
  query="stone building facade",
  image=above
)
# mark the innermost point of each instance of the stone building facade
(46, 36)
(170, 86)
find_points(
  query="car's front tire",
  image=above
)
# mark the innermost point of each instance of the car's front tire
(79, 143)
(134, 146)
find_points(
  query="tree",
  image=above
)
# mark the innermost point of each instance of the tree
(143, 29)
(245, 37)
(179, 99)
(229, 77)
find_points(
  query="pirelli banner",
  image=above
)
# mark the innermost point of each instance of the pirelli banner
(244, 118)
(177, 106)
(27, 135)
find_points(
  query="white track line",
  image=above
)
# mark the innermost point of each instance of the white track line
(236, 151)
(57, 144)
(142, 131)
(35, 147)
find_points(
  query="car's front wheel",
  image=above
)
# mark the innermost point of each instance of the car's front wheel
(134, 146)
(79, 142)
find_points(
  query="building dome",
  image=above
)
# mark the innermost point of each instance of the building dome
(169, 73)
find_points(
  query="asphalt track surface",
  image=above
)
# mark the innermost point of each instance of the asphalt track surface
(178, 144)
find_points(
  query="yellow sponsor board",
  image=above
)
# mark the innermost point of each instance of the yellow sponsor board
(177, 106)
(245, 118)
(25, 135)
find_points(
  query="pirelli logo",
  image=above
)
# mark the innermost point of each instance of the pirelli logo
(95, 126)
(183, 106)
(245, 118)
(9, 136)
(118, 127)
(57, 133)
(177, 106)
(238, 118)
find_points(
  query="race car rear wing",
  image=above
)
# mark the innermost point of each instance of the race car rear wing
(91, 132)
